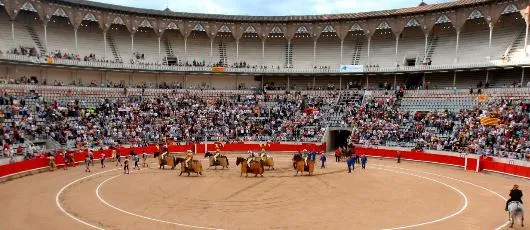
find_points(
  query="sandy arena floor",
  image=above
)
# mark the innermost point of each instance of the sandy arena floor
(384, 196)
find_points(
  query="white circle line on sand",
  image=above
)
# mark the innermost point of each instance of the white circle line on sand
(138, 215)
(58, 203)
(451, 178)
(464, 206)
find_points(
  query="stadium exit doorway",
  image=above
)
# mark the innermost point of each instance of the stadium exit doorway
(337, 138)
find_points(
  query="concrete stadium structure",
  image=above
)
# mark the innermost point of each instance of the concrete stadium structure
(453, 44)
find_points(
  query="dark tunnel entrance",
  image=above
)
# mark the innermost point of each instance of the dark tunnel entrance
(337, 138)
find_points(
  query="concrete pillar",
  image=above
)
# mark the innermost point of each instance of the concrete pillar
(132, 43)
(397, 48)
(263, 52)
(45, 35)
(454, 79)
(426, 46)
(105, 43)
(159, 49)
(75, 39)
(368, 52)
(457, 45)
(489, 42)
(211, 48)
(237, 49)
(185, 45)
(526, 39)
(522, 77)
(314, 53)
(13, 31)
(289, 53)
(341, 48)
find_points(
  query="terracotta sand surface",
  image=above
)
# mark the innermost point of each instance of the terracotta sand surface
(384, 196)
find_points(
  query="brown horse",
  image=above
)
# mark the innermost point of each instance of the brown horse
(269, 162)
(256, 167)
(166, 160)
(196, 166)
(299, 165)
(221, 160)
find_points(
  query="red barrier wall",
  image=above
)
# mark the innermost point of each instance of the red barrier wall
(413, 155)
(516, 170)
(80, 155)
(486, 163)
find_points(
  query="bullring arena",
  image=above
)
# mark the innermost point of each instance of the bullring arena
(436, 98)
(385, 195)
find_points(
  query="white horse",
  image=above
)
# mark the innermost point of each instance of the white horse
(515, 210)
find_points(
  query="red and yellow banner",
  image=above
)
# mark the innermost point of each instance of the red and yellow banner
(489, 121)
(218, 69)
(482, 97)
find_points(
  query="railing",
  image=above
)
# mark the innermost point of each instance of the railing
(159, 67)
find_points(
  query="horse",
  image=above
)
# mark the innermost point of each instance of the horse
(166, 160)
(515, 210)
(269, 162)
(196, 166)
(256, 166)
(346, 154)
(221, 160)
(299, 165)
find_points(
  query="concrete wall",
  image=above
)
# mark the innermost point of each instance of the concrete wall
(86, 76)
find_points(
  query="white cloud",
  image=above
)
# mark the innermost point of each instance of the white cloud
(270, 7)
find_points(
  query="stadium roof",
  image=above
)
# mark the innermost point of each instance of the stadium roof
(323, 17)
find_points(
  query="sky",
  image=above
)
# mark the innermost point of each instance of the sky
(270, 7)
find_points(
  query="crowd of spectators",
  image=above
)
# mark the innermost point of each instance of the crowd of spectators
(193, 116)
(382, 122)
(175, 117)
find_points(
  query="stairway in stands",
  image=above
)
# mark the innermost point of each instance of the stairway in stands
(115, 51)
(431, 47)
(517, 46)
(169, 51)
(357, 51)
(36, 39)
(288, 56)
(334, 114)
(223, 57)
(169, 48)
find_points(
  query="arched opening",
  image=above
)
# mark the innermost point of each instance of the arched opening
(411, 48)
(337, 138)
(6, 39)
(508, 36)
(301, 50)
(119, 43)
(29, 31)
(173, 47)
(474, 39)
(383, 47)
(199, 47)
(146, 46)
(61, 40)
(276, 52)
(250, 52)
(328, 50)
(224, 49)
(355, 48)
(90, 42)
(442, 43)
